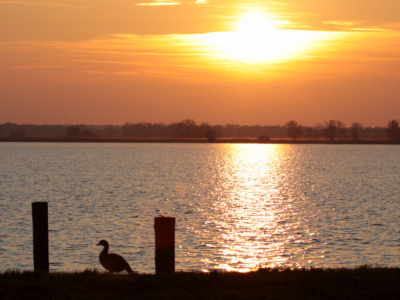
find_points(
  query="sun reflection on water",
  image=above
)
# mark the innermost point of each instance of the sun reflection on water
(253, 209)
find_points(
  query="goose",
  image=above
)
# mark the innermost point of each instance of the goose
(112, 262)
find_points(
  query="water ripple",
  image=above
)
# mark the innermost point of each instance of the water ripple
(238, 207)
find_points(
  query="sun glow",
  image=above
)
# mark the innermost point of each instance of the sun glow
(255, 24)
(256, 39)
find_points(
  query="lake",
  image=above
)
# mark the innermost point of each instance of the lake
(237, 206)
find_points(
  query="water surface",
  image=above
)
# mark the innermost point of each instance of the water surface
(237, 207)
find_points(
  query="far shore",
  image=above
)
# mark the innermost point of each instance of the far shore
(201, 140)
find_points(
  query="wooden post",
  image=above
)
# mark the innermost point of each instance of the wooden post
(164, 228)
(40, 236)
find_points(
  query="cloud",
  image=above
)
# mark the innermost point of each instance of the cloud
(33, 66)
(349, 26)
(169, 2)
(185, 57)
(40, 3)
(159, 3)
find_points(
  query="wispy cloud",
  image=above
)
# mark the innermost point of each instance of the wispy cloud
(187, 56)
(159, 3)
(340, 23)
(33, 66)
(40, 3)
(170, 2)
(350, 26)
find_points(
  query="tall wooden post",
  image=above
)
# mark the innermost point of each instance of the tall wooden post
(40, 236)
(164, 228)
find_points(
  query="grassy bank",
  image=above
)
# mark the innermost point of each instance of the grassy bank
(359, 283)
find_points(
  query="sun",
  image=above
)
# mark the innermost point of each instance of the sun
(254, 39)
(255, 24)
(257, 39)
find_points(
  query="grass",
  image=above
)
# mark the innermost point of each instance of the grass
(359, 283)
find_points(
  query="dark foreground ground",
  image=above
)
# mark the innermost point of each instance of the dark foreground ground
(359, 283)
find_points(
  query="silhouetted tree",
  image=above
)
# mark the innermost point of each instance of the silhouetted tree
(393, 130)
(310, 132)
(264, 138)
(85, 132)
(186, 129)
(330, 129)
(211, 135)
(73, 131)
(293, 129)
(355, 130)
(218, 129)
(318, 131)
(203, 129)
(18, 133)
(231, 130)
(111, 131)
(341, 130)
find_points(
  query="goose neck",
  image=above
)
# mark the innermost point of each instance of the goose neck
(105, 249)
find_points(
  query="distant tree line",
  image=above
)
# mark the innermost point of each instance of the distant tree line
(332, 129)
(189, 129)
(335, 129)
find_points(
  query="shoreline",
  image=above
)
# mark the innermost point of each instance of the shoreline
(202, 141)
(363, 282)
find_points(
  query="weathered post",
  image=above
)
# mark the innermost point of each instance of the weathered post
(40, 236)
(164, 228)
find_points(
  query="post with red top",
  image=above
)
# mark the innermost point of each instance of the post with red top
(40, 236)
(164, 228)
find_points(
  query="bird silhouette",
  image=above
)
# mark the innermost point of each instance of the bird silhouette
(112, 262)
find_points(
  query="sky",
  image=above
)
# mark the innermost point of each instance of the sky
(233, 61)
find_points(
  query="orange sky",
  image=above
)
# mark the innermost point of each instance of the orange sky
(111, 62)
